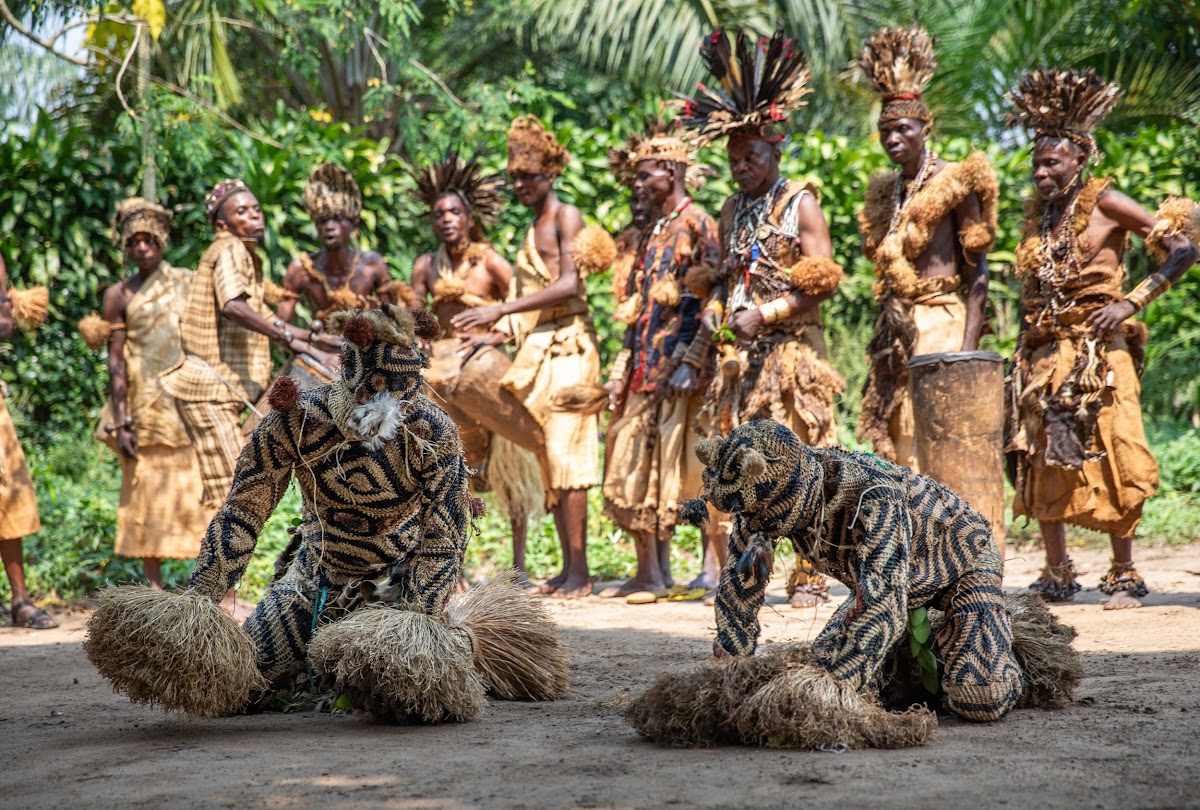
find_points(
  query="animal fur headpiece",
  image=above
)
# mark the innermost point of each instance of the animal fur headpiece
(136, 215)
(759, 83)
(221, 192)
(532, 149)
(482, 194)
(898, 62)
(1063, 104)
(331, 193)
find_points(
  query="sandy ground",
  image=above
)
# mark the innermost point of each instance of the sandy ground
(1131, 739)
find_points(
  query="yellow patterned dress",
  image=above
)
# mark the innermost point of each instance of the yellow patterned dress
(160, 512)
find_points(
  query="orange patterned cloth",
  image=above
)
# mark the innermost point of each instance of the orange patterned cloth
(18, 504)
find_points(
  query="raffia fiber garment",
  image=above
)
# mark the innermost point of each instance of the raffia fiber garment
(898, 540)
(556, 349)
(159, 513)
(1096, 471)
(18, 503)
(395, 508)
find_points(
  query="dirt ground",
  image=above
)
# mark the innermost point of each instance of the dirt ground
(1131, 739)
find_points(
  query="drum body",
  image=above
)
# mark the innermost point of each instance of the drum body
(472, 391)
(306, 372)
(958, 408)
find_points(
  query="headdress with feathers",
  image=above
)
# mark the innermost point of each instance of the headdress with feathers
(758, 84)
(332, 193)
(659, 140)
(898, 62)
(482, 194)
(1063, 104)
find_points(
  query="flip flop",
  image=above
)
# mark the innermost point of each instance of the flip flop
(645, 597)
(38, 620)
(681, 594)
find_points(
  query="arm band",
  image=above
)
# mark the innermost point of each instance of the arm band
(776, 310)
(621, 365)
(697, 352)
(1151, 287)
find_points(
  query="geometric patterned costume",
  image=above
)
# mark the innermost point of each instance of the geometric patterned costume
(384, 485)
(900, 541)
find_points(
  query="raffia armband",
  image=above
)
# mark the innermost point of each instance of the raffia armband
(815, 275)
(1177, 215)
(1151, 287)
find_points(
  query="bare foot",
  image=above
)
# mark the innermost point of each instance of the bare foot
(1122, 600)
(574, 588)
(549, 586)
(630, 586)
(802, 598)
(705, 580)
(710, 598)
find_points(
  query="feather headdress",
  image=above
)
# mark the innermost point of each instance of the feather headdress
(331, 192)
(898, 62)
(1063, 104)
(483, 194)
(759, 83)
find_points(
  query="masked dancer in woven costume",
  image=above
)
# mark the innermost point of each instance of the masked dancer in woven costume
(556, 341)
(465, 272)
(226, 330)
(1077, 435)
(159, 514)
(928, 226)
(900, 541)
(650, 469)
(776, 259)
(18, 502)
(339, 275)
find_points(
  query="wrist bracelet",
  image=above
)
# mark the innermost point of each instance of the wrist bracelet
(776, 310)
(1151, 287)
(717, 308)
(127, 422)
(620, 365)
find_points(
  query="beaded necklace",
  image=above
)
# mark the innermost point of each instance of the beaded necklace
(900, 201)
(662, 221)
(1059, 255)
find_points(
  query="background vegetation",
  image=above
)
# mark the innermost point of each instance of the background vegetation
(168, 98)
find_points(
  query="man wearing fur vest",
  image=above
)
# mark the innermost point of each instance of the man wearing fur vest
(927, 225)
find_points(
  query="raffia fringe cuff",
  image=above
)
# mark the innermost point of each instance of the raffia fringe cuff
(1176, 215)
(273, 294)
(815, 275)
(701, 278)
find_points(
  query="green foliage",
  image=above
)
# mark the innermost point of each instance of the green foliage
(920, 644)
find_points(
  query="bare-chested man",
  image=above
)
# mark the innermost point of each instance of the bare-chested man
(463, 273)
(556, 342)
(1079, 444)
(928, 228)
(339, 275)
(776, 264)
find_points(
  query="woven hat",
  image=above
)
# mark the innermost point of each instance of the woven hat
(137, 215)
(331, 193)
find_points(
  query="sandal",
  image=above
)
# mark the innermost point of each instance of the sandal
(37, 620)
